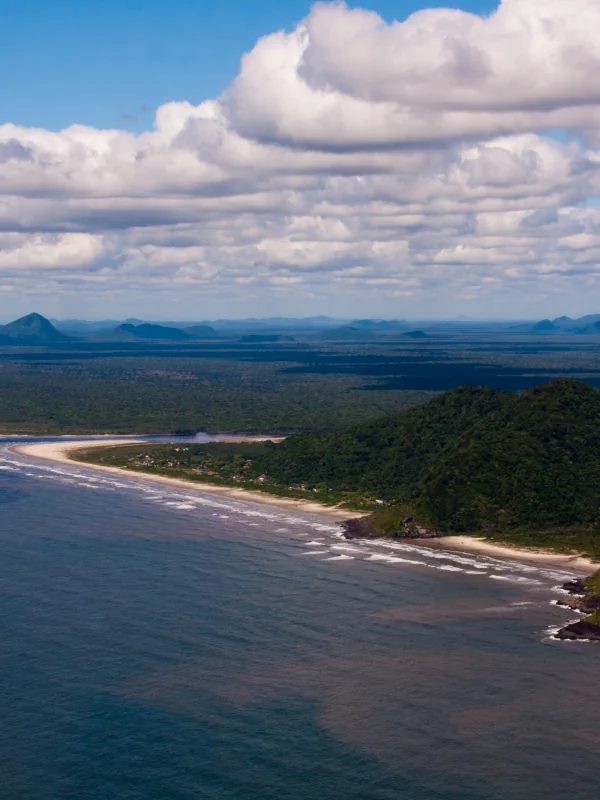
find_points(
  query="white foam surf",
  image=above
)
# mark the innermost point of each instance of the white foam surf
(342, 557)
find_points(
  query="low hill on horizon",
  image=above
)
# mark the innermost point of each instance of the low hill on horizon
(147, 331)
(379, 324)
(37, 329)
(589, 324)
(265, 338)
(472, 459)
(344, 333)
(31, 329)
(127, 332)
(575, 325)
(201, 332)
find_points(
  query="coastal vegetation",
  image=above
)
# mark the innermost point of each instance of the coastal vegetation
(520, 468)
(222, 463)
(515, 468)
(583, 596)
(592, 586)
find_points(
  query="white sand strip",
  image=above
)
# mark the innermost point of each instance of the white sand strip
(484, 547)
(66, 452)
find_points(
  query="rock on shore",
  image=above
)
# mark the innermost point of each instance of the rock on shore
(358, 528)
(582, 629)
(362, 528)
(581, 599)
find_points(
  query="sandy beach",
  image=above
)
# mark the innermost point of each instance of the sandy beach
(66, 452)
(472, 544)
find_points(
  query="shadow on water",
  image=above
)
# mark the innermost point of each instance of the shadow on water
(262, 751)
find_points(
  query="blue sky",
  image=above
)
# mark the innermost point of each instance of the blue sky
(110, 63)
(445, 165)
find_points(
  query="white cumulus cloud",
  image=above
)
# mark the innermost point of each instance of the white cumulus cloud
(352, 166)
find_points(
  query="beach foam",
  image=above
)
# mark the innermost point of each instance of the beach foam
(329, 543)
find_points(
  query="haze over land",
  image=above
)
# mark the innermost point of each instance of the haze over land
(441, 164)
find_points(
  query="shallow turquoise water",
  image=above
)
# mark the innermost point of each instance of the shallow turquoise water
(161, 645)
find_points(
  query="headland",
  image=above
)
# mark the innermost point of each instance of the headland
(66, 452)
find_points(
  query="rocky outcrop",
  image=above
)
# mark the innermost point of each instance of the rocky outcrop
(576, 586)
(579, 597)
(587, 604)
(359, 528)
(580, 630)
(586, 601)
(363, 528)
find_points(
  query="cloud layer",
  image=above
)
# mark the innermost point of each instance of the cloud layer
(447, 162)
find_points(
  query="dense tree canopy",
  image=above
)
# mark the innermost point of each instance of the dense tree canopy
(469, 459)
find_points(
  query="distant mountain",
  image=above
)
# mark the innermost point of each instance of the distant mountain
(589, 324)
(201, 332)
(581, 325)
(80, 327)
(119, 334)
(583, 322)
(182, 325)
(592, 329)
(274, 324)
(144, 332)
(228, 327)
(32, 329)
(157, 332)
(264, 338)
(563, 322)
(545, 326)
(416, 334)
(378, 325)
(343, 333)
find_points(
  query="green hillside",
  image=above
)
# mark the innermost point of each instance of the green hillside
(472, 459)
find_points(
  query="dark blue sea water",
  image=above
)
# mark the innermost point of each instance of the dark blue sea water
(159, 645)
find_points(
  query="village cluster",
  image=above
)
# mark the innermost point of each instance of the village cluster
(237, 468)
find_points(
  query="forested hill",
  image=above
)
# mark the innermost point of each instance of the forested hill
(471, 459)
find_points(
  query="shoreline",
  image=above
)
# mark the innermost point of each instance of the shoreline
(142, 438)
(474, 544)
(63, 453)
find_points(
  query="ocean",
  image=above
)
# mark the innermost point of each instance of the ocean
(168, 645)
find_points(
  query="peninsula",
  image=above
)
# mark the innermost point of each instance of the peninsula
(478, 465)
(511, 475)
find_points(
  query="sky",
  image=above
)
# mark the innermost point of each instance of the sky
(194, 160)
(112, 63)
